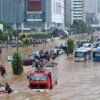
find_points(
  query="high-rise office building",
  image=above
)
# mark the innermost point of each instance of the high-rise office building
(98, 6)
(12, 12)
(91, 6)
(32, 13)
(67, 17)
(45, 13)
(77, 10)
(74, 10)
(92, 9)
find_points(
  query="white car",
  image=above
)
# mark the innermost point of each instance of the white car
(60, 51)
(87, 45)
(9, 58)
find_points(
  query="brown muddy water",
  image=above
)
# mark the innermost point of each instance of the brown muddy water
(76, 81)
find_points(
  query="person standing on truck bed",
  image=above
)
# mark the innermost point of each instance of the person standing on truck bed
(38, 65)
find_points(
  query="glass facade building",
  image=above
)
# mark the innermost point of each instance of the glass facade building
(12, 12)
(48, 13)
(32, 13)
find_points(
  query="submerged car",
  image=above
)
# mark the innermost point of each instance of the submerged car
(28, 60)
(57, 51)
(9, 58)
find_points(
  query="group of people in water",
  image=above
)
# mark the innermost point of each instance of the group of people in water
(5, 88)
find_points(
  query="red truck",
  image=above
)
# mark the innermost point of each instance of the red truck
(43, 80)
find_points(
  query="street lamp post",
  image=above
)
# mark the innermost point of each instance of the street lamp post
(17, 21)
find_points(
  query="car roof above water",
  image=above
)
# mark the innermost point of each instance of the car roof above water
(82, 49)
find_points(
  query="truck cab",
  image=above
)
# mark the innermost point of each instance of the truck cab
(44, 79)
(40, 80)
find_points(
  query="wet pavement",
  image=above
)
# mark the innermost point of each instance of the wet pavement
(76, 81)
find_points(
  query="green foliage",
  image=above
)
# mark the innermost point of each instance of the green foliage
(92, 39)
(43, 30)
(39, 36)
(6, 27)
(34, 30)
(70, 44)
(22, 35)
(90, 29)
(27, 40)
(7, 31)
(79, 26)
(1, 32)
(54, 33)
(17, 64)
(30, 35)
(4, 36)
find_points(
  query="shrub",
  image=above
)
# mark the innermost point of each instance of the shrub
(22, 35)
(70, 44)
(92, 39)
(39, 36)
(17, 64)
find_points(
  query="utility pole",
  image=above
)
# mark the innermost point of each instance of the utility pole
(17, 22)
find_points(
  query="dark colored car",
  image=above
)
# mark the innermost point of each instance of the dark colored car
(28, 60)
(63, 47)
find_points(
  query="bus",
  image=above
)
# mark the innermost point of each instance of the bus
(83, 54)
(96, 54)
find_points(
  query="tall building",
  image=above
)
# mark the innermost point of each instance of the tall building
(74, 10)
(91, 6)
(30, 14)
(67, 17)
(77, 10)
(45, 13)
(92, 9)
(98, 6)
(12, 12)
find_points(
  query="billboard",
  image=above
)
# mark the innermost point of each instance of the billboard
(34, 6)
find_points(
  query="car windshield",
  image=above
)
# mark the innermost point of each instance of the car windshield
(38, 77)
(79, 54)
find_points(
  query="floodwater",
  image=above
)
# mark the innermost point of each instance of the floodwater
(76, 81)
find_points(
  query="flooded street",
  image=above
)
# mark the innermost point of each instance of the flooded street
(76, 81)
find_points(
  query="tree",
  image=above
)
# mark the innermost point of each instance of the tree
(22, 35)
(1, 32)
(92, 39)
(7, 31)
(26, 41)
(17, 64)
(70, 45)
(79, 26)
(90, 29)
(7, 27)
